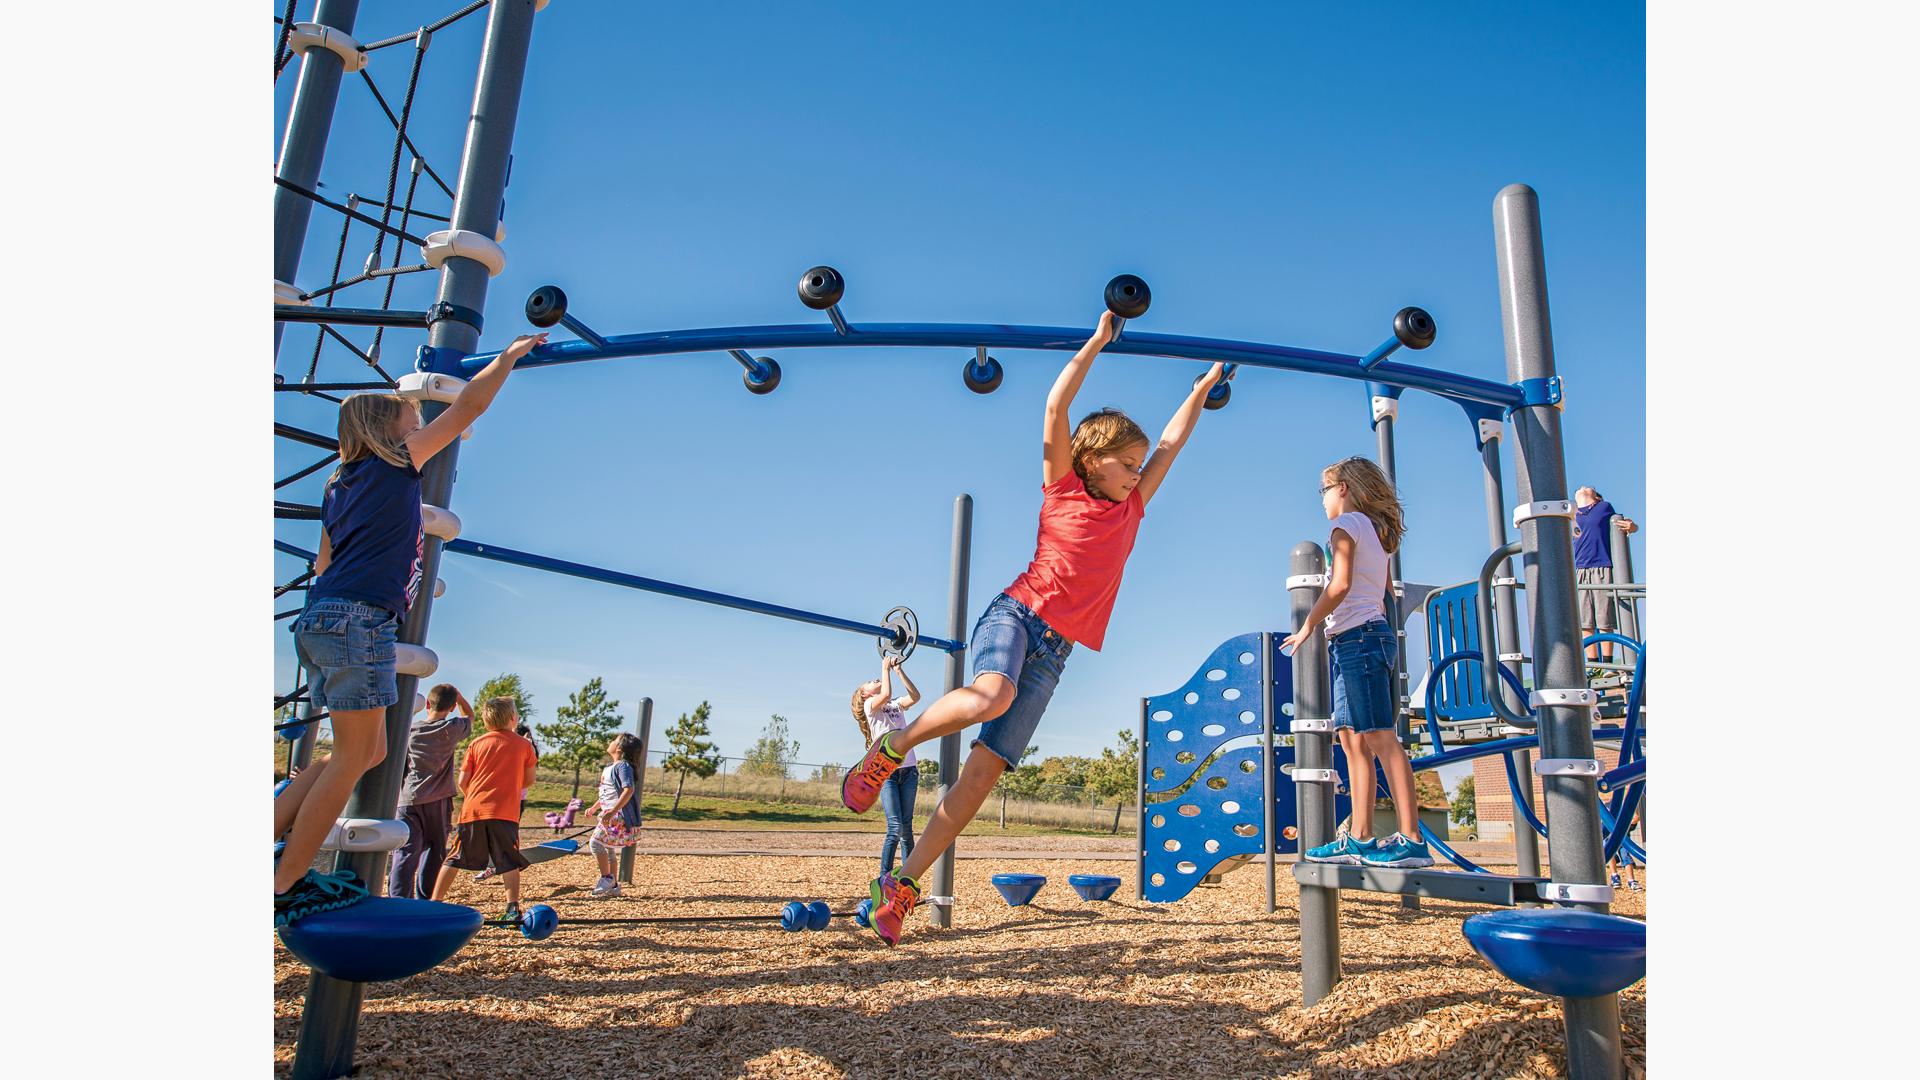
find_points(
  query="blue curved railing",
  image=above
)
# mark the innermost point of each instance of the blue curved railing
(1433, 689)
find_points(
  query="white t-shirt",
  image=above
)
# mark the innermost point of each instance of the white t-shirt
(1367, 593)
(892, 717)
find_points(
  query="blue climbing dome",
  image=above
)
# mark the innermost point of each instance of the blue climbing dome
(380, 938)
(1561, 951)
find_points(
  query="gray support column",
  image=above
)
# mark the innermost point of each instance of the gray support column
(942, 884)
(1573, 821)
(1402, 720)
(642, 727)
(1313, 700)
(1628, 615)
(1140, 809)
(309, 122)
(330, 1025)
(1526, 846)
(1268, 724)
(300, 754)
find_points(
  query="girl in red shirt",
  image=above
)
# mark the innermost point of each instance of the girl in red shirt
(1096, 483)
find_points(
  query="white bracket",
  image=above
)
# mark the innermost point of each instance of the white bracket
(416, 660)
(439, 522)
(428, 386)
(1314, 776)
(1567, 766)
(1386, 408)
(419, 703)
(283, 293)
(1311, 727)
(937, 901)
(308, 35)
(1514, 657)
(439, 588)
(1506, 583)
(1563, 893)
(1580, 697)
(447, 243)
(1562, 508)
(365, 834)
(1304, 581)
(1491, 430)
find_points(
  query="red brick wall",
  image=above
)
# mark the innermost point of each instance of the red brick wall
(1492, 799)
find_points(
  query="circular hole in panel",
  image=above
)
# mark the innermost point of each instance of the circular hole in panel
(1217, 783)
(1213, 846)
(1184, 757)
(1186, 868)
(1171, 845)
(1247, 716)
(1175, 736)
(1231, 693)
(1157, 820)
(1286, 708)
(1246, 658)
(1246, 766)
(1189, 810)
(1216, 674)
(1192, 698)
(1230, 807)
(1159, 773)
(1162, 714)
(1242, 830)
(1158, 879)
(1214, 729)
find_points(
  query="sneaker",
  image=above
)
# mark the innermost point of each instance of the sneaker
(606, 886)
(1634, 885)
(893, 900)
(513, 915)
(862, 784)
(1615, 882)
(483, 875)
(1344, 849)
(1398, 850)
(317, 892)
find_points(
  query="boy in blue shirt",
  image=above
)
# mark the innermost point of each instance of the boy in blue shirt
(1593, 521)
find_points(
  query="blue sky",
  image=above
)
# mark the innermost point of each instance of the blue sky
(1284, 174)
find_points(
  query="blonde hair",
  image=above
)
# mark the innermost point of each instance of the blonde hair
(860, 713)
(1371, 493)
(499, 713)
(367, 422)
(1106, 431)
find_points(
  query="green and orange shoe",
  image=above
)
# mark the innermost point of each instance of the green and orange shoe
(861, 786)
(893, 900)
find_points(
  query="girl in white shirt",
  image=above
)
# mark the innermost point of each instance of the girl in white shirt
(877, 712)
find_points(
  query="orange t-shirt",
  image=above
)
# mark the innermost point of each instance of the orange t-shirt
(492, 775)
(1078, 559)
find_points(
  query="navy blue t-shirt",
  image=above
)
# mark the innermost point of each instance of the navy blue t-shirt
(371, 512)
(1592, 543)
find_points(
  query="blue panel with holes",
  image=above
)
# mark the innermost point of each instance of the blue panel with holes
(1286, 805)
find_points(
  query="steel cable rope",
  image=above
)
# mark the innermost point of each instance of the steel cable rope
(394, 271)
(282, 55)
(381, 100)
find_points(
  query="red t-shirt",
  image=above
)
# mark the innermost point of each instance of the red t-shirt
(1077, 561)
(492, 775)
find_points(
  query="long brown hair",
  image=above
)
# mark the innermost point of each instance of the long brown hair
(367, 422)
(1371, 493)
(860, 713)
(1105, 431)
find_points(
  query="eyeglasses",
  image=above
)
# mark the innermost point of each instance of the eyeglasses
(1330, 487)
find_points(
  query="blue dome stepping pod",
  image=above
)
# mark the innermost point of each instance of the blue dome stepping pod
(819, 915)
(539, 922)
(793, 917)
(1563, 952)
(1018, 889)
(863, 915)
(380, 938)
(1094, 886)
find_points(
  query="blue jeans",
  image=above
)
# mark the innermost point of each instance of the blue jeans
(1361, 660)
(1011, 640)
(896, 800)
(347, 648)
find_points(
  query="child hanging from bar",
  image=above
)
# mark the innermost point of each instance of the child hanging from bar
(1096, 481)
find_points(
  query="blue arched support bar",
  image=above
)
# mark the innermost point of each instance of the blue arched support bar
(380, 938)
(1633, 772)
(970, 336)
(1448, 853)
(1434, 684)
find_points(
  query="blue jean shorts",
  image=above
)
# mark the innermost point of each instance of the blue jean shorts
(1012, 641)
(346, 648)
(1362, 663)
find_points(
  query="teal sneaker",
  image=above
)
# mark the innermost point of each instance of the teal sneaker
(317, 892)
(1344, 849)
(1399, 851)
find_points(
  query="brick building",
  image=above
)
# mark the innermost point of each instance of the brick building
(1492, 797)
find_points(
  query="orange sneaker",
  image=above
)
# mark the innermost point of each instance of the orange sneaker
(861, 786)
(893, 900)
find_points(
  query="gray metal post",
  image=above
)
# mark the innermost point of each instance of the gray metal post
(1403, 720)
(1573, 821)
(942, 884)
(1627, 607)
(300, 754)
(309, 122)
(643, 728)
(1268, 726)
(1526, 846)
(330, 1025)
(1313, 700)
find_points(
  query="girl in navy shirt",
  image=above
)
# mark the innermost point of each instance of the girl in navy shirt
(368, 576)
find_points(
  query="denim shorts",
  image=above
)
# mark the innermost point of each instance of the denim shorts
(1012, 641)
(1362, 663)
(346, 648)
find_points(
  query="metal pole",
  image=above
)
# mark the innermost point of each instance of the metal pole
(1526, 846)
(1386, 409)
(300, 754)
(1313, 700)
(1268, 780)
(330, 1025)
(1140, 808)
(1627, 609)
(309, 122)
(942, 915)
(1566, 731)
(644, 728)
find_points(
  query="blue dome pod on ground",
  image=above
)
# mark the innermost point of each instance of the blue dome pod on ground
(1018, 889)
(863, 915)
(1564, 952)
(539, 922)
(793, 917)
(1094, 886)
(380, 938)
(819, 915)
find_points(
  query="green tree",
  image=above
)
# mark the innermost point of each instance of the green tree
(692, 753)
(506, 684)
(581, 729)
(930, 771)
(1116, 774)
(769, 755)
(830, 773)
(1462, 810)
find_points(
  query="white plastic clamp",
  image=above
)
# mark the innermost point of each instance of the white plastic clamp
(308, 35)
(416, 660)
(1581, 696)
(439, 587)
(1301, 581)
(439, 522)
(446, 243)
(1514, 657)
(1314, 776)
(419, 703)
(365, 834)
(1311, 727)
(1562, 508)
(1491, 430)
(428, 386)
(937, 901)
(499, 232)
(1506, 583)
(284, 293)
(1566, 893)
(1385, 408)
(1567, 766)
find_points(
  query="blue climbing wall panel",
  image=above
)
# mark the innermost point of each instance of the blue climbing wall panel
(1286, 805)
(1453, 625)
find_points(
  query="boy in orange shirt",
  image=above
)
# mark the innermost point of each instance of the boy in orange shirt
(498, 766)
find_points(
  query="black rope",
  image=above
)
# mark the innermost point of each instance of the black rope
(406, 211)
(314, 719)
(369, 276)
(295, 696)
(432, 28)
(381, 100)
(351, 347)
(399, 143)
(315, 388)
(282, 590)
(367, 200)
(306, 472)
(281, 54)
(288, 614)
(311, 438)
(291, 511)
(356, 215)
(339, 255)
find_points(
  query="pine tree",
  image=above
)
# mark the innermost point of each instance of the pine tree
(581, 729)
(692, 753)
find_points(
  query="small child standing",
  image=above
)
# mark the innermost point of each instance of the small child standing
(878, 712)
(426, 796)
(618, 810)
(497, 766)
